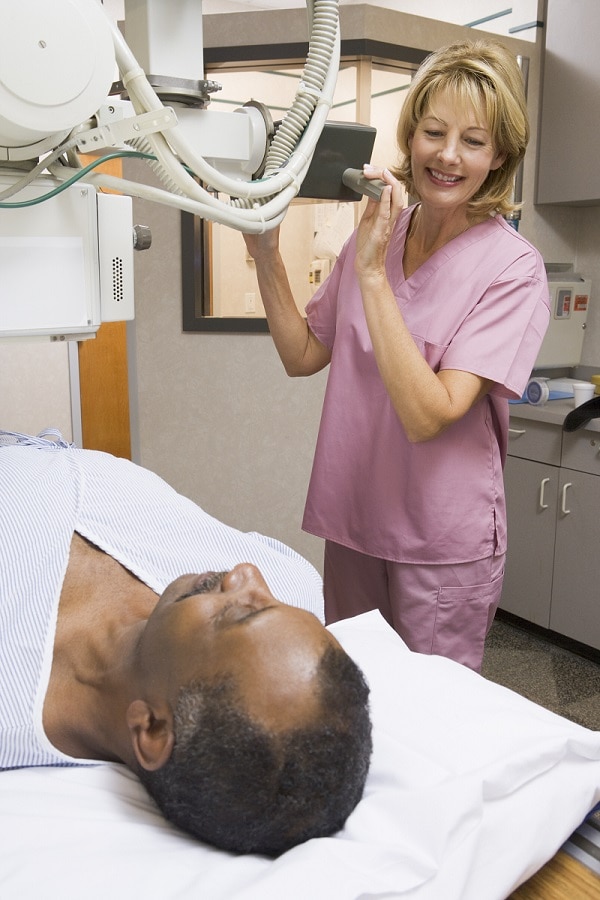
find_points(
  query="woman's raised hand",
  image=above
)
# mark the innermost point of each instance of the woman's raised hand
(259, 245)
(376, 225)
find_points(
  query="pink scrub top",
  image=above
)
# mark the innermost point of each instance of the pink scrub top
(480, 304)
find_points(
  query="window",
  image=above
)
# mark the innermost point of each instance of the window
(220, 290)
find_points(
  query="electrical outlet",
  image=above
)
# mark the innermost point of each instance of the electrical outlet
(250, 302)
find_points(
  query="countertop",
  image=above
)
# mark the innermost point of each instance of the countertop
(553, 412)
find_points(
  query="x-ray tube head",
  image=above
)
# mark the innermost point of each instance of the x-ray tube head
(57, 64)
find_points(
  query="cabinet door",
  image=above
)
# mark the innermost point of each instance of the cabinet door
(570, 105)
(531, 495)
(575, 608)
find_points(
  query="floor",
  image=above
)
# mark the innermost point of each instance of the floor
(553, 676)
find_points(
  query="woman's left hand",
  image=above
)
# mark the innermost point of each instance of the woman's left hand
(377, 224)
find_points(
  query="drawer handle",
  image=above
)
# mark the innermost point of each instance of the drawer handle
(543, 484)
(517, 431)
(563, 504)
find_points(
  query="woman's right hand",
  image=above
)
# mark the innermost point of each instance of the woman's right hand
(262, 245)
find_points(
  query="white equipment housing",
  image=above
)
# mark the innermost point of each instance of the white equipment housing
(66, 264)
(569, 302)
(56, 67)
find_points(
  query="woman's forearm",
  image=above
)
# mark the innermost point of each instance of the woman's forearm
(300, 351)
(425, 402)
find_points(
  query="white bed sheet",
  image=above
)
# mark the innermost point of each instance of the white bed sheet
(472, 788)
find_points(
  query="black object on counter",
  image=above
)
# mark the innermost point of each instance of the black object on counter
(583, 414)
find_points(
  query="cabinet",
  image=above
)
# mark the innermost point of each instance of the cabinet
(531, 493)
(570, 105)
(552, 484)
(575, 609)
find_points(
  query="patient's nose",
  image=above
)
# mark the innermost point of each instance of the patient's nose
(246, 576)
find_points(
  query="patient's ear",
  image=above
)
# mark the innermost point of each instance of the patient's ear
(152, 736)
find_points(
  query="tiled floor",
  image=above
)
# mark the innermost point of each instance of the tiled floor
(552, 676)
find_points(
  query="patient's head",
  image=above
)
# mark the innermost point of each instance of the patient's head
(233, 783)
(271, 736)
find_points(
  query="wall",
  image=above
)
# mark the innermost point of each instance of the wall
(492, 15)
(216, 415)
(587, 261)
(35, 387)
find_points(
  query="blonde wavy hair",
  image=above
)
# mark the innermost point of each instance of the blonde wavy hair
(486, 76)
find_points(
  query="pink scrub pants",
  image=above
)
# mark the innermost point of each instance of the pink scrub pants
(445, 610)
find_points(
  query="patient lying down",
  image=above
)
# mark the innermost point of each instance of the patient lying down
(241, 714)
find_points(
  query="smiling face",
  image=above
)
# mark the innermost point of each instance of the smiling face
(452, 154)
(229, 624)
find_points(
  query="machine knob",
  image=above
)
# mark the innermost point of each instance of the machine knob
(142, 237)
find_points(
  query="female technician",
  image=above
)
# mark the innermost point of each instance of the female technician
(430, 320)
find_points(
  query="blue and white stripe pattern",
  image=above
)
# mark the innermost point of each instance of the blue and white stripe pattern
(584, 843)
(48, 491)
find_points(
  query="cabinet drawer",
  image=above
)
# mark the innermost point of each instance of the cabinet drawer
(581, 451)
(539, 441)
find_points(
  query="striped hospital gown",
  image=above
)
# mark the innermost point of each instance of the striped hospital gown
(49, 491)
